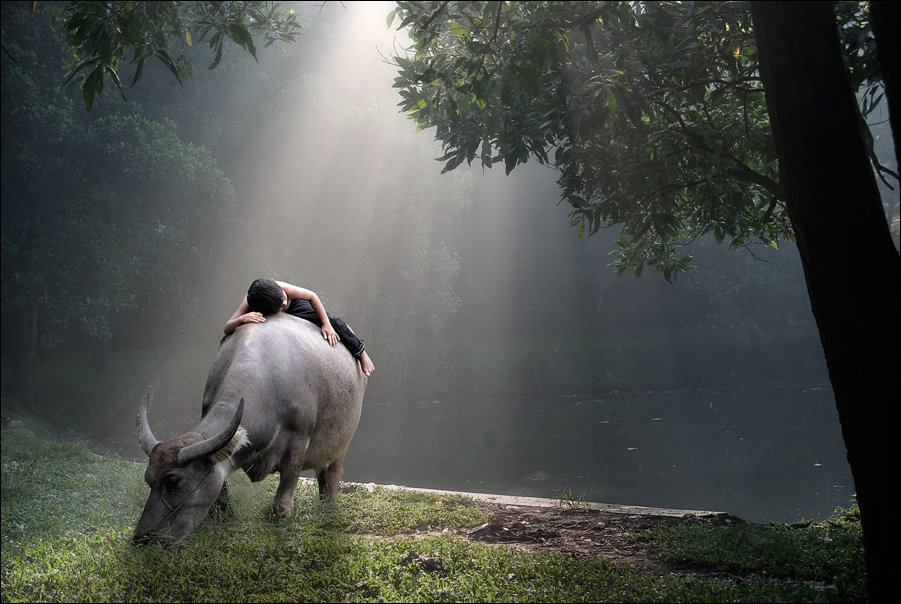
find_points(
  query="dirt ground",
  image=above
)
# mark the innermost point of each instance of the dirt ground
(587, 532)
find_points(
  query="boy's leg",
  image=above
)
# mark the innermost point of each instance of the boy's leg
(348, 337)
(305, 310)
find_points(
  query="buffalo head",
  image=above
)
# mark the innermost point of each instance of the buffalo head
(186, 475)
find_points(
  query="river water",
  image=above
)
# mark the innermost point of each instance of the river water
(767, 455)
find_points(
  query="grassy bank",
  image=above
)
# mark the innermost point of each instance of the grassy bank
(68, 514)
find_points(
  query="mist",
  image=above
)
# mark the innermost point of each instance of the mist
(509, 357)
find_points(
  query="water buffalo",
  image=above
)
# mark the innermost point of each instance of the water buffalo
(278, 398)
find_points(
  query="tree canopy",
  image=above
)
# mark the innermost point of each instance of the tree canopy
(653, 112)
(102, 36)
(82, 209)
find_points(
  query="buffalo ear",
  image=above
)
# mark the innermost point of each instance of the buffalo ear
(213, 444)
(238, 441)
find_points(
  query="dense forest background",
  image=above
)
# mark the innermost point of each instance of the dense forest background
(131, 232)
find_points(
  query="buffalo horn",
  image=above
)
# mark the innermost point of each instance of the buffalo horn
(213, 443)
(145, 437)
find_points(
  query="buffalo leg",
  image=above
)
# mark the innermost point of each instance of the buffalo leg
(289, 473)
(222, 500)
(328, 479)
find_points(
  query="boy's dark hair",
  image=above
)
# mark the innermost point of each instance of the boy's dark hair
(265, 296)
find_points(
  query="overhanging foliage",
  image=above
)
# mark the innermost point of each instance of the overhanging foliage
(653, 112)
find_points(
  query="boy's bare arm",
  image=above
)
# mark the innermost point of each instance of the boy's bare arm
(293, 291)
(241, 316)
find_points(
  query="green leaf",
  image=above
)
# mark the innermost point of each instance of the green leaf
(459, 30)
(164, 57)
(509, 163)
(453, 163)
(139, 71)
(238, 32)
(218, 56)
(611, 101)
(115, 78)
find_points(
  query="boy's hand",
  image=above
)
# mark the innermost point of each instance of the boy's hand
(330, 335)
(253, 317)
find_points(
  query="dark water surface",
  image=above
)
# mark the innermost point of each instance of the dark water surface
(771, 455)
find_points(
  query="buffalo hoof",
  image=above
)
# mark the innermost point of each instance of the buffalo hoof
(282, 510)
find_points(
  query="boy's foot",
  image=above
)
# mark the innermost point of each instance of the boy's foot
(366, 364)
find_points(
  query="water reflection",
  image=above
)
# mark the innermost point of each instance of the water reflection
(763, 455)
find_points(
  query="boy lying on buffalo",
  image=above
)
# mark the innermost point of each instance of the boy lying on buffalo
(268, 296)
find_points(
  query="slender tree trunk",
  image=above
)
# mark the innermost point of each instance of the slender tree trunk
(850, 262)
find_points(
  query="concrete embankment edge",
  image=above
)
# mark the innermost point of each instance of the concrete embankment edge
(515, 500)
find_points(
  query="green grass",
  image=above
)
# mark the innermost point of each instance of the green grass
(68, 516)
(825, 552)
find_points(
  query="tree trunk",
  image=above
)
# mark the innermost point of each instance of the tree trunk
(884, 17)
(850, 263)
